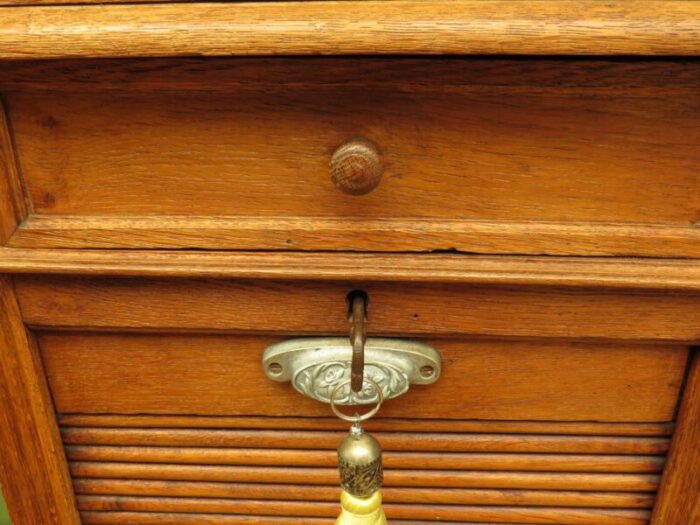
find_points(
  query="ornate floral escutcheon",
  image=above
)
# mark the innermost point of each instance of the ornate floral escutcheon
(317, 365)
(320, 379)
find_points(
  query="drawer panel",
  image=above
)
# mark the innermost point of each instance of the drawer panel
(222, 375)
(167, 469)
(497, 156)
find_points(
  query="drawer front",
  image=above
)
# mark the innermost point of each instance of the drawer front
(222, 375)
(167, 416)
(492, 156)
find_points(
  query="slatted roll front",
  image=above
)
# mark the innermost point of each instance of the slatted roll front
(182, 470)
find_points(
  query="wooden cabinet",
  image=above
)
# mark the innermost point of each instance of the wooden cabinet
(169, 208)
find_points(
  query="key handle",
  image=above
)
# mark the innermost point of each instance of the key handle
(356, 419)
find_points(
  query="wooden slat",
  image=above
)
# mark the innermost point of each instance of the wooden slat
(160, 518)
(535, 271)
(353, 27)
(466, 514)
(13, 208)
(375, 424)
(392, 478)
(221, 374)
(152, 518)
(111, 518)
(33, 470)
(679, 497)
(393, 511)
(110, 488)
(391, 441)
(414, 74)
(401, 310)
(392, 460)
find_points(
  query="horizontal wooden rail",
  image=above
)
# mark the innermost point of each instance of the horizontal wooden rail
(392, 460)
(485, 515)
(118, 488)
(571, 428)
(392, 478)
(391, 441)
(544, 27)
(393, 511)
(162, 518)
(671, 274)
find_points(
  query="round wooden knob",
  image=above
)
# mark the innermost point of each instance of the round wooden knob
(356, 168)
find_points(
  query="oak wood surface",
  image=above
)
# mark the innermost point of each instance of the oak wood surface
(538, 156)
(369, 27)
(605, 168)
(609, 273)
(625, 155)
(111, 484)
(435, 513)
(107, 489)
(392, 460)
(222, 375)
(396, 441)
(404, 74)
(319, 308)
(13, 208)
(390, 496)
(157, 518)
(171, 473)
(375, 424)
(379, 235)
(162, 518)
(33, 469)
(392, 478)
(679, 498)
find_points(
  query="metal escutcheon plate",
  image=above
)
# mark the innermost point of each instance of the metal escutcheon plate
(315, 365)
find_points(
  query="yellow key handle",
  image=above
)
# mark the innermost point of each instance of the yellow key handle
(361, 511)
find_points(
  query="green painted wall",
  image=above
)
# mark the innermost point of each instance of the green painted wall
(4, 518)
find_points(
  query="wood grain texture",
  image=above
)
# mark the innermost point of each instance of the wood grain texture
(353, 27)
(180, 472)
(679, 498)
(435, 513)
(327, 497)
(403, 73)
(107, 489)
(376, 424)
(604, 169)
(379, 235)
(622, 155)
(33, 469)
(612, 273)
(392, 478)
(396, 309)
(13, 208)
(157, 518)
(391, 441)
(391, 460)
(162, 518)
(221, 375)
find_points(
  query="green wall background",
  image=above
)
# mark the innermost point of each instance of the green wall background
(4, 518)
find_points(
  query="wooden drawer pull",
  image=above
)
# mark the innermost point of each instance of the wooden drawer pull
(356, 168)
